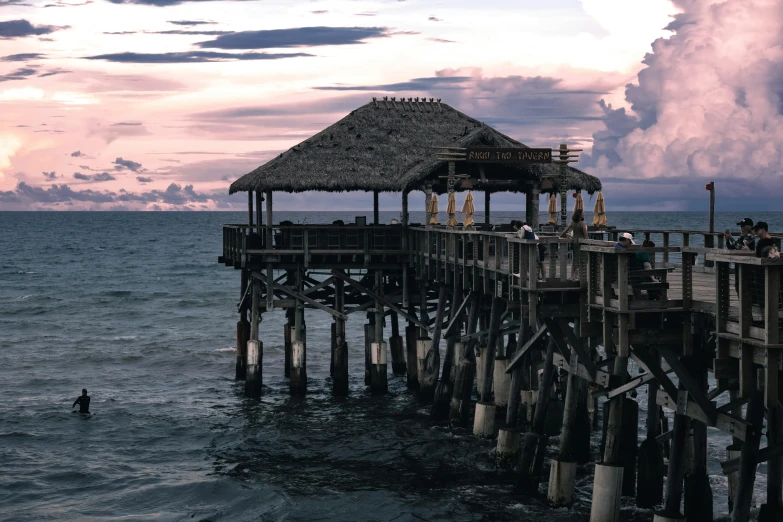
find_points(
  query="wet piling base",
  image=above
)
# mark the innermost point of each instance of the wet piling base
(484, 420)
(562, 477)
(507, 450)
(298, 380)
(607, 488)
(378, 369)
(340, 371)
(398, 355)
(501, 382)
(253, 376)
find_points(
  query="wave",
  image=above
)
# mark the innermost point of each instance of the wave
(230, 349)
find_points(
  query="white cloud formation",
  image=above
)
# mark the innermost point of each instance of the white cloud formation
(9, 144)
(708, 103)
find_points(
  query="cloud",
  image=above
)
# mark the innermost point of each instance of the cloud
(50, 175)
(191, 22)
(367, 13)
(103, 176)
(416, 84)
(441, 40)
(22, 28)
(19, 74)
(708, 103)
(321, 11)
(187, 32)
(163, 3)
(434, 19)
(53, 73)
(22, 57)
(79, 175)
(191, 57)
(121, 164)
(143, 179)
(126, 124)
(295, 37)
(77, 154)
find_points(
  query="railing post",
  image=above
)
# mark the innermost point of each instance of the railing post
(666, 248)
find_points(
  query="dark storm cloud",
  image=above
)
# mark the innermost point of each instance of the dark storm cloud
(295, 37)
(60, 193)
(79, 175)
(122, 164)
(103, 176)
(191, 22)
(22, 57)
(143, 179)
(191, 57)
(22, 28)
(50, 175)
(19, 74)
(416, 84)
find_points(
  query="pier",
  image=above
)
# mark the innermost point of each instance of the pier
(491, 345)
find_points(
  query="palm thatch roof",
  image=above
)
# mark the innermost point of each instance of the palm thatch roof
(389, 146)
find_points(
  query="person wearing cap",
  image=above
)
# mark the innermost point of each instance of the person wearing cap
(527, 233)
(746, 241)
(765, 241)
(624, 241)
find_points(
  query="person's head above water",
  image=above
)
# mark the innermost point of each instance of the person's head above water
(84, 391)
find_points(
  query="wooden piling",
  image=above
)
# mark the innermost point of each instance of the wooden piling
(396, 347)
(442, 396)
(749, 457)
(340, 367)
(562, 474)
(465, 371)
(773, 509)
(534, 443)
(243, 329)
(253, 377)
(411, 336)
(378, 364)
(650, 469)
(298, 380)
(288, 334)
(698, 493)
(429, 378)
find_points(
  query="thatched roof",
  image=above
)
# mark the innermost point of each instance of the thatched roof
(388, 146)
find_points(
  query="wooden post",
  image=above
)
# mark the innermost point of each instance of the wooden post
(496, 311)
(534, 444)
(517, 377)
(698, 494)
(486, 207)
(429, 378)
(376, 219)
(442, 397)
(249, 209)
(773, 509)
(423, 342)
(709, 241)
(535, 192)
(411, 336)
(466, 371)
(427, 199)
(340, 374)
(749, 458)
(298, 381)
(396, 347)
(255, 357)
(243, 332)
(562, 473)
(269, 219)
(369, 338)
(649, 483)
(378, 365)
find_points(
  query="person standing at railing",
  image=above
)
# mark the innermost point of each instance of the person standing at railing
(579, 229)
(765, 241)
(527, 233)
(746, 240)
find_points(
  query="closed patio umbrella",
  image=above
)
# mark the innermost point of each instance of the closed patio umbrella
(433, 209)
(552, 210)
(468, 210)
(579, 204)
(451, 210)
(599, 211)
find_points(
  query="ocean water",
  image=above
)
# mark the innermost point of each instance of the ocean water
(134, 307)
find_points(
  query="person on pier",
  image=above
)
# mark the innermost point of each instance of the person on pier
(624, 241)
(579, 229)
(746, 239)
(527, 233)
(83, 401)
(765, 241)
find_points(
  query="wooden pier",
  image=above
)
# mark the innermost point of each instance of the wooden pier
(481, 325)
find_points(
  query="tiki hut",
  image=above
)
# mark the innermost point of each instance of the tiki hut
(390, 145)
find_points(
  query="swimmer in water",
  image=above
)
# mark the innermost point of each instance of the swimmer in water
(83, 401)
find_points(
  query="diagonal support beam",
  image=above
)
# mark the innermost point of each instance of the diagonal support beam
(576, 344)
(643, 359)
(297, 295)
(372, 295)
(694, 390)
(318, 286)
(517, 359)
(455, 322)
(505, 328)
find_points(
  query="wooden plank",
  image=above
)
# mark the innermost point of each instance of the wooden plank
(293, 293)
(319, 286)
(576, 344)
(643, 359)
(725, 422)
(455, 322)
(765, 454)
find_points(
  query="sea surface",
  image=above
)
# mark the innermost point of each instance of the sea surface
(135, 308)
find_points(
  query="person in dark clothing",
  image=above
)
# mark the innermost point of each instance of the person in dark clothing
(764, 239)
(746, 240)
(83, 401)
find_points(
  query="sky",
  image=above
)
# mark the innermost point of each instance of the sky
(160, 104)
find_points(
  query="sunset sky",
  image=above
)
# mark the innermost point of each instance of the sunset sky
(160, 104)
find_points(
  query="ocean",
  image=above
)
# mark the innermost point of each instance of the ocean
(135, 308)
